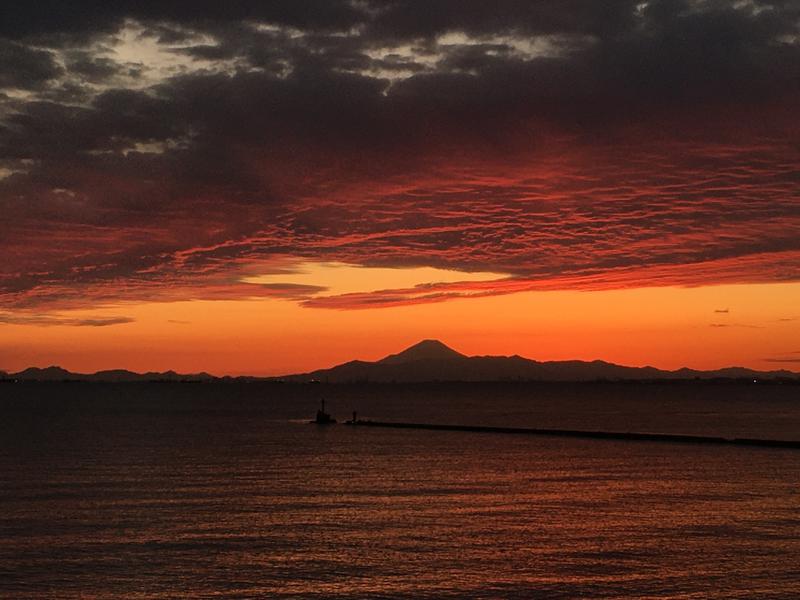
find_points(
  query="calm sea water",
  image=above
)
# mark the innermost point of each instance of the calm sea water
(215, 491)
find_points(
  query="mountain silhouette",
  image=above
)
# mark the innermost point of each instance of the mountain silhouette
(428, 360)
(432, 360)
(424, 350)
(46, 374)
(116, 375)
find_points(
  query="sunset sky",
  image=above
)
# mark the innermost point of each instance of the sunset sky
(271, 187)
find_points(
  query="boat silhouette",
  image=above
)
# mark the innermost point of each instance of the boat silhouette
(323, 418)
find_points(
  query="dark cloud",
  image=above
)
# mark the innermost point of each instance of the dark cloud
(100, 321)
(47, 18)
(579, 143)
(409, 20)
(92, 69)
(24, 67)
(51, 321)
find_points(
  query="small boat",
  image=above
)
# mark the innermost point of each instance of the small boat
(323, 418)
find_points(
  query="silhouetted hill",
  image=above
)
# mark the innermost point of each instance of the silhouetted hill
(427, 361)
(115, 375)
(46, 374)
(431, 360)
(424, 350)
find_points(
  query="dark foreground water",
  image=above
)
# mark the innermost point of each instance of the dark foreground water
(222, 491)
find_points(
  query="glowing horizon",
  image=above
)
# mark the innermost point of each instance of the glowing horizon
(269, 189)
(667, 327)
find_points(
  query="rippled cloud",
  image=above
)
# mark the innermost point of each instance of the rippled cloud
(155, 153)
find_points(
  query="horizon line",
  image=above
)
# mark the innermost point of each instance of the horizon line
(202, 372)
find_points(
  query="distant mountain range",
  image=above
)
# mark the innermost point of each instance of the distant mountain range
(120, 375)
(430, 360)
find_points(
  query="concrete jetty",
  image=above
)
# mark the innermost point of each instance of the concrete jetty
(575, 433)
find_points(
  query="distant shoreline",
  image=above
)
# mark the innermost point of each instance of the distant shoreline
(431, 361)
(708, 381)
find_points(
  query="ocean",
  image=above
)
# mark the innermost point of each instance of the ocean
(156, 491)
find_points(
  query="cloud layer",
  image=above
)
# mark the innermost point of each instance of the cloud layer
(158, 151)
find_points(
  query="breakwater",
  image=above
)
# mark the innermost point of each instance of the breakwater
(575, 433)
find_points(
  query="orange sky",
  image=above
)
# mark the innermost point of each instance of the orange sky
(702, 327)
(271, 189)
